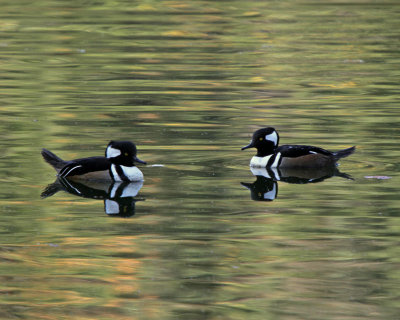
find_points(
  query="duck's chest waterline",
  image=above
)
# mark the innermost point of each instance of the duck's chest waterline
(271, 161)
(122, 173)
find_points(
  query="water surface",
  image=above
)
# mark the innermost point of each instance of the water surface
(189, 82)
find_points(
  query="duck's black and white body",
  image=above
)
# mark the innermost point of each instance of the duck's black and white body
(117, 165)
(270, 155)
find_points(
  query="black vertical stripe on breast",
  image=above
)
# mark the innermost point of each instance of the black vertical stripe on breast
(121, 173)
(271, 160)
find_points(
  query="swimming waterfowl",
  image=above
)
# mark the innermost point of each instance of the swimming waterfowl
(117, 165)
(270, 155)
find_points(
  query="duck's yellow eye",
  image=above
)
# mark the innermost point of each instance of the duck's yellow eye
(261, 139)
(126, 154)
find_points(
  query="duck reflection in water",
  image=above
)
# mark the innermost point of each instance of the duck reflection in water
(265, 188)
(119, 197)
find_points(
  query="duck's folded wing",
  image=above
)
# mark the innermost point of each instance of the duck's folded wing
(294, 151)
(83, 166)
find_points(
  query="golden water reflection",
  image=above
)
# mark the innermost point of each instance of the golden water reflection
(189, 82)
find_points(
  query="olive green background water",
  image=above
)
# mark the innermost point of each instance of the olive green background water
(188, 82)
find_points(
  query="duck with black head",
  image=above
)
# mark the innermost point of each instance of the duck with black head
(117, 165)
(270, 155)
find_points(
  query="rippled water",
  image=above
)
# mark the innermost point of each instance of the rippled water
(189, 82)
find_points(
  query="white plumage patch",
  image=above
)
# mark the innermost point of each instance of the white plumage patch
(133, 173)
(259, 162)
(112, 152)
(273, 137)
(262, 162)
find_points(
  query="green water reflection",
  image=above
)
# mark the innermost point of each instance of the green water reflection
(188, 82)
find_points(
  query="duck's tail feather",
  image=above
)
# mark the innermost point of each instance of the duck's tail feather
(343, 153)
(56, 162)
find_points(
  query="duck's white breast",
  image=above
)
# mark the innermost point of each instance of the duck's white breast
(132, 173)
(260, 162)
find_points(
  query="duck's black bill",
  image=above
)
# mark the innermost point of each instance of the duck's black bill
(139, 161)
(248, 146)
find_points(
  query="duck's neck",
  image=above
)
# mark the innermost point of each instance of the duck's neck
(265, 152)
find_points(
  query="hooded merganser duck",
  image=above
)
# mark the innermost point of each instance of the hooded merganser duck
(117, 165)
(269, 155)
